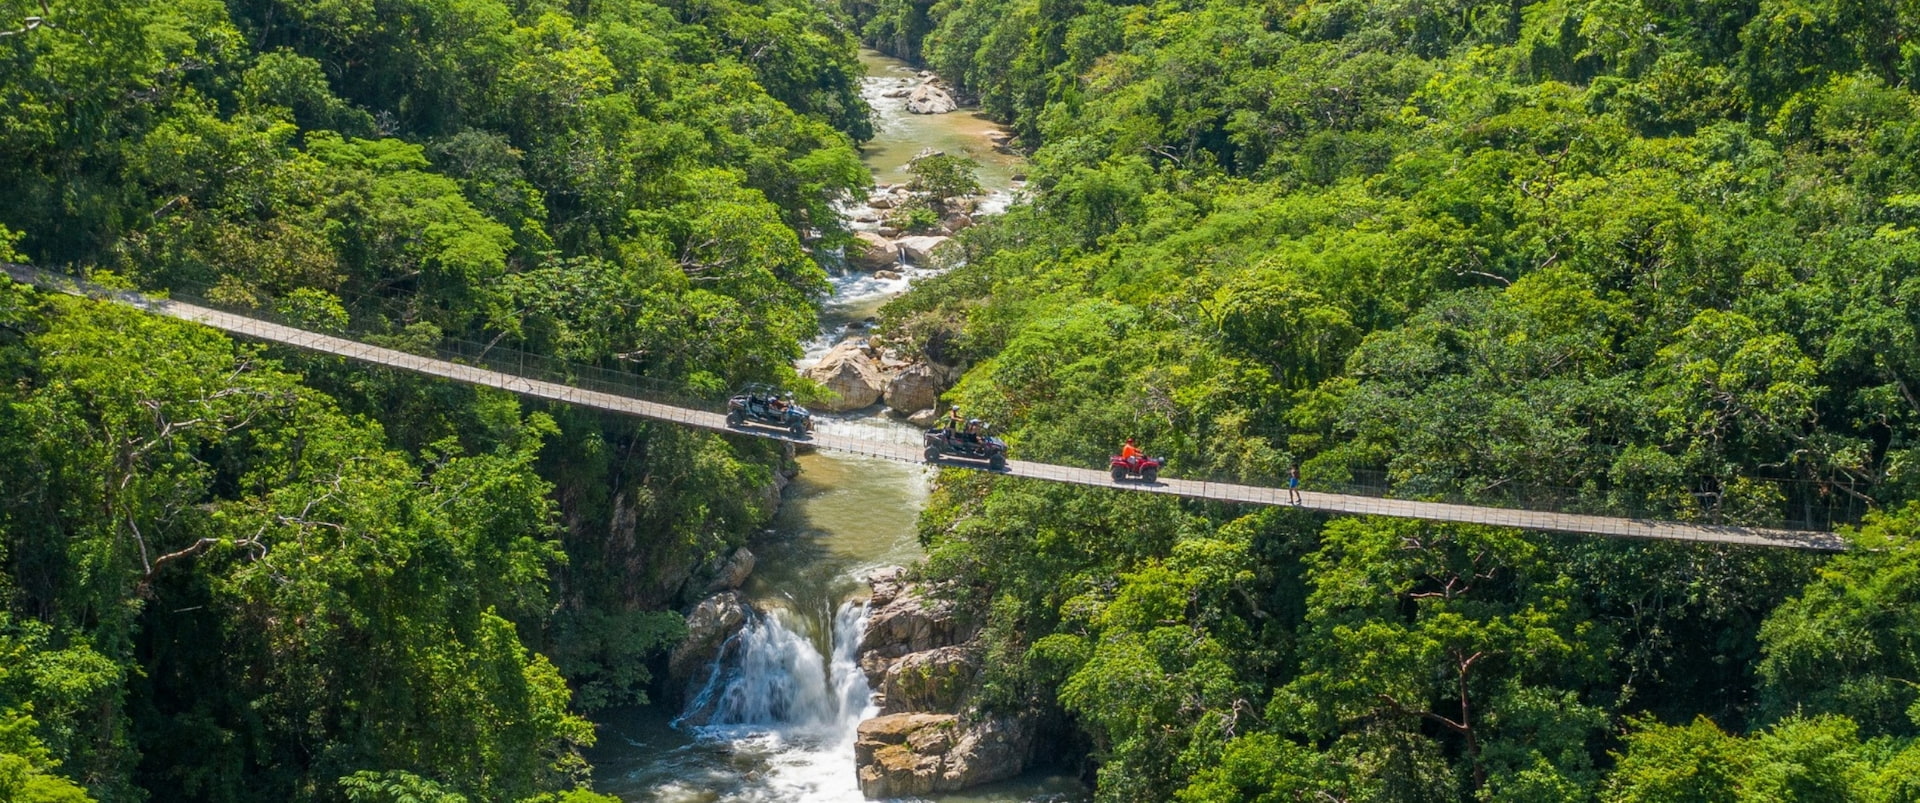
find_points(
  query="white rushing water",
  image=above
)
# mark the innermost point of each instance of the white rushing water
(770, 694)
(776, 718)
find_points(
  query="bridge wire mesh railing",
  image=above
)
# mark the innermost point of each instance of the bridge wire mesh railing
(565, 379)
(1804, 504)
(1785, 503)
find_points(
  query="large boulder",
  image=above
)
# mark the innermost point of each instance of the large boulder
(912, 755)
(916, 387)
(888, 766)
(849, 371)
(870, 251)
(709, 625)
(935, 680)
(919, 248)
(734, 570)
(884, 585)
(930, 99)
(903, 620)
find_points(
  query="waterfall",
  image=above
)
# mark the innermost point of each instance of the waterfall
(769, 676)
(850, 684)
(777, 715)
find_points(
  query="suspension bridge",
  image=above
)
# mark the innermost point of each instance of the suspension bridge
(826, 438)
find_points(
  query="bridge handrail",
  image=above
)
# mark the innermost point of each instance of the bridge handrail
(682, 406)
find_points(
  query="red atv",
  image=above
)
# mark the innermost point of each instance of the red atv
(1142, 466)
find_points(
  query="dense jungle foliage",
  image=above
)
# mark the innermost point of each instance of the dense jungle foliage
(1656, 256)
(239, 573)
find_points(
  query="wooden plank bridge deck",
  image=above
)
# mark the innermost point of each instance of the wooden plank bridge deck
(827, 438)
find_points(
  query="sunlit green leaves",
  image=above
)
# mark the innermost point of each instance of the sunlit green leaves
(358, 599)
(1800, 758)
(1848, 644)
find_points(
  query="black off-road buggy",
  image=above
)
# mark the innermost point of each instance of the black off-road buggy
(769, 406)
(970, 442)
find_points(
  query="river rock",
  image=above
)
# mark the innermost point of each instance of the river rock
(734, 570)
(958, 221)
(849, 372)
(870, 251)
(919, 248)
(903, 620)
(709, 625)
(888, 275)
(896, 93)
(930, 99)
(912, 755)
(888, 231)
(886, 583)
(915, 387)
(888, 766)
(934, 680)
(924, 419)
(880, 202)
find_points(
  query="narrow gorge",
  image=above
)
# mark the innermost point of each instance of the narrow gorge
(813, 672)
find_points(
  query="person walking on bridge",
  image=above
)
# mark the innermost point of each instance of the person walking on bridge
(1293, 483)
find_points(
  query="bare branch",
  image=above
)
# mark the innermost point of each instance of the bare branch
(1424, 714)
(191, 550)
(1504, 281)
(33, 23)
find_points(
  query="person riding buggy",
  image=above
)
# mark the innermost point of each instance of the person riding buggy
(769, 406)
(966, 440)
(1131, 462)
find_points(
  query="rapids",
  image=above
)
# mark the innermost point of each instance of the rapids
(785, 697)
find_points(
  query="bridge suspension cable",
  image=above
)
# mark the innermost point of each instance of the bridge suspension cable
(257, 329)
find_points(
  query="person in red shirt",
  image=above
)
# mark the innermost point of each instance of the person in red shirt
(1130, 451)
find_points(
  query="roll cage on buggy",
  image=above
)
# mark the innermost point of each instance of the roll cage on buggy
(767, 405)
(969, 441)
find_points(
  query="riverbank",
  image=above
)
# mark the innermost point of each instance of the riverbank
(782, 705)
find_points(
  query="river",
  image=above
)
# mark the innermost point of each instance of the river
(786, 697)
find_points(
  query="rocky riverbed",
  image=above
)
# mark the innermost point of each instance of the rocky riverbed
(861, 373)
(922, 655)
(806, 675)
